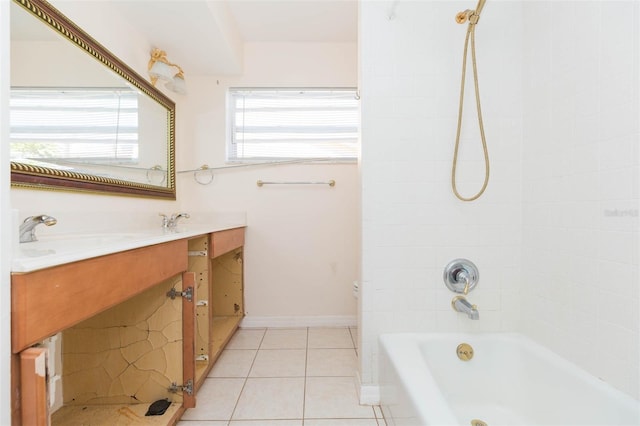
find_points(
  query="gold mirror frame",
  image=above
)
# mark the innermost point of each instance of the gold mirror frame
(35, 177)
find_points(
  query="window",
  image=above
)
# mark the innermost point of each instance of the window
(286, 124)
(97, 124)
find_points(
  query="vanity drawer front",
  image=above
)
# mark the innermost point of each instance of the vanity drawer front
(225, 241)
(47, 301)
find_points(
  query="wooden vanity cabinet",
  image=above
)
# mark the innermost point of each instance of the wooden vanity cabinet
(125, 340)
(47, 301)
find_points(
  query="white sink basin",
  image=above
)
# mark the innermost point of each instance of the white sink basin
(60, 244)
(90, 238)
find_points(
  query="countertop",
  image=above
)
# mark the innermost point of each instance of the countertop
(53, 250)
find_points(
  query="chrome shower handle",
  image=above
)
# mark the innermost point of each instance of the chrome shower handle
(461, 276)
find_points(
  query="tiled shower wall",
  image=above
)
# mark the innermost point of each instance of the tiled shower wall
(412, 224)
(580, 184)
(556, 235)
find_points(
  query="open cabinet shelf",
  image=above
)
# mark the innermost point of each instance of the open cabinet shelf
(223, 329)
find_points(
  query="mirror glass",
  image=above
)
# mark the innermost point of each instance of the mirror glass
(80, 119)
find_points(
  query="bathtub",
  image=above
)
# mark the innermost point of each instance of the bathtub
(509, 381)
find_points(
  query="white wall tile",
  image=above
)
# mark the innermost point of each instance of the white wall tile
(594, 131)
(419, 226)
(561, 135)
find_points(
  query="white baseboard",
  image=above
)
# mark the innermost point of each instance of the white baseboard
(367, 394)
(292, 322)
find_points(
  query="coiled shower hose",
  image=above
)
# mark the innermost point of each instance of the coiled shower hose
(473, 20)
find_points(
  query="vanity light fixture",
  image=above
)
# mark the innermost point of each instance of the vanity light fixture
(161, 69)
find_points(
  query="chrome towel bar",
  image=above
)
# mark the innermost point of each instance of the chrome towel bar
(331, 183)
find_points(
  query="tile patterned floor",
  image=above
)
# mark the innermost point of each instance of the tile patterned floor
(284, 377)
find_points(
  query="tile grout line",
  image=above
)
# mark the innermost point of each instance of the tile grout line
(244, 384)
(378, 421)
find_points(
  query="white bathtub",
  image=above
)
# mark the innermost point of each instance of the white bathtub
(509, 381)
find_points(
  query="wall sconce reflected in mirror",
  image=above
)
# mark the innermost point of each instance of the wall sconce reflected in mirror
(161, 69)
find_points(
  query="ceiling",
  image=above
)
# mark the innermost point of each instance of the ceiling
(206, 36)
(295, 20)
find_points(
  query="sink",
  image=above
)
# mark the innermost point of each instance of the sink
(89, 238)
(62, 243)
(61, 248)
(53, 249)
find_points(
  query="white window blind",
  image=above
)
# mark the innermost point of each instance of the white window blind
(98, 124)
(285, 124)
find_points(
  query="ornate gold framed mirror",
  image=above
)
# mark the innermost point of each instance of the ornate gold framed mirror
(80, 118)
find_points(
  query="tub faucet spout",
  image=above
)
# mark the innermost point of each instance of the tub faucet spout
(28, 227)
(460, 304)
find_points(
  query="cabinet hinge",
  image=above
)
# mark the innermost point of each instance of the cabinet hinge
(188, 293)
(188, 388)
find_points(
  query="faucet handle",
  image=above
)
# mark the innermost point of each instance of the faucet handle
(179, 215)
(461, 276)
(173, 220)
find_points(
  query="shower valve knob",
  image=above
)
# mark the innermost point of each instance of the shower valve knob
(461, 276)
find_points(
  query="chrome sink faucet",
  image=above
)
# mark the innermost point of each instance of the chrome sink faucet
(460, 304)
(28, 227)
(171, 222)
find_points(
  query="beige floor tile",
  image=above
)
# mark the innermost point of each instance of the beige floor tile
(330, 338)
(340, 422)
(333, 398)
(265, 423)
(331, 362)
(279, 363)
(271, 398)
(281, 338)
(233, 363)
(215, 400)
(246, 338)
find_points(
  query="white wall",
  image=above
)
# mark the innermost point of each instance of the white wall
(580, 164)
(5, 220)
(301, 251)
(411, 223)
